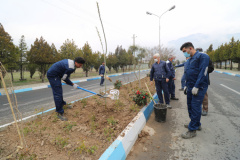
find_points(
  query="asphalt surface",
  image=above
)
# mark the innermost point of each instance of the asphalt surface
(220, 135)
(32, 102)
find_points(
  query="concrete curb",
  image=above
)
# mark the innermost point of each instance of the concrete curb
(227, 73)
(84, 80)
(121, 147)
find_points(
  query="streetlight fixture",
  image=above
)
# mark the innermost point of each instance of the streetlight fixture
(159, 17)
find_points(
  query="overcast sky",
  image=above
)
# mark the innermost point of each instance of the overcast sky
(58, 20)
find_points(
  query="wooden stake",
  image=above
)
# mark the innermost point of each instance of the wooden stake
(9, 100)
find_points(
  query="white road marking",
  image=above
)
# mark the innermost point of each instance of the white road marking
(5, 104)
(230, 89)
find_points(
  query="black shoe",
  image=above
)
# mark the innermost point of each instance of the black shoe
(181, 89)
(60, 116)
(174, 98)
(101, 85)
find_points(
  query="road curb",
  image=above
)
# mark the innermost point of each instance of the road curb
(121, 147)
(227, 73)
(84, 80)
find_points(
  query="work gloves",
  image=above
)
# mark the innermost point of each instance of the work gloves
(185, 90)
(75, 86)
(195, 91)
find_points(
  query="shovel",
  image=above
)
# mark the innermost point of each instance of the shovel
(150, 94)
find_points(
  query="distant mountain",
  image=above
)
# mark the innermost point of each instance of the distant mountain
(201, 40)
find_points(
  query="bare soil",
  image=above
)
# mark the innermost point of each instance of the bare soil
(91, 128)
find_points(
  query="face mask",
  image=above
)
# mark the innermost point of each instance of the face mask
(155, 60)
(186, 54)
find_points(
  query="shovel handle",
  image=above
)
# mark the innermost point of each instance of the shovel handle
(87, 90)
(150, 94)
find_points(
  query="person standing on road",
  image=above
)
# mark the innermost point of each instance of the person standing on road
(183, 79)
(160, 73)
(171, 85)
(61, 70)
(205, 99)
(196, 87)
(101, 73)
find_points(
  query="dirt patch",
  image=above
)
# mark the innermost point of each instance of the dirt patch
(91, 128)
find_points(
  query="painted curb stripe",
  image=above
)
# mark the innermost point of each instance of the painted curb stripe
(227, 73)
(237, 75)
(22, 90)
(114, 152)
(130, 135)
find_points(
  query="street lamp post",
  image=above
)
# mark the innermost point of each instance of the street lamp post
(159, 17)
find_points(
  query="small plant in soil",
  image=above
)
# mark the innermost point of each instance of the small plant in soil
(61, 142)
(55, 118)
(84, 102)
(134, 108)
(118, 84)
(93, 123)
(24, 156)
(26, 130)
(92, 149)
(81, 148)
(76, 114)
(111, 121)
(140, 97)
(68, 126)
(108, 132)
(117, 105)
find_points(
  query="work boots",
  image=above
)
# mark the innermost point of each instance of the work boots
(199, 129)
(61, 116)
(189, 134)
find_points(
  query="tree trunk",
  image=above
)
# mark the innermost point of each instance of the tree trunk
(87, 73)
(220, 65)
(12, 75)
(43, 74)
(231, 65)
(239, 66)
(226, 64)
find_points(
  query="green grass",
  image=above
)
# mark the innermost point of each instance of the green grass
(36, 77)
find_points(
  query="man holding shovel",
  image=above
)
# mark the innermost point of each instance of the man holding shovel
(61, 70)
(160, 73)
(196, 86)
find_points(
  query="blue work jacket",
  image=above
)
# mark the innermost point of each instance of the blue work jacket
(62, 69)
(183, 64)
(159, 71)
(196, 71)
(172, 71)
(102, 69)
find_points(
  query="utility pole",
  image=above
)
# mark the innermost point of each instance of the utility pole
(134, 50)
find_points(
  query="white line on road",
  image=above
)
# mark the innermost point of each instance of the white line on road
(230, 89)
(5, 104)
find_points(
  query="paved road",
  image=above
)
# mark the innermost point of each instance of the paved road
(219, 138)
(33, 101)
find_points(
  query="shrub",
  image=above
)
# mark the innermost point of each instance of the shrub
(140, 97)
(118, 84)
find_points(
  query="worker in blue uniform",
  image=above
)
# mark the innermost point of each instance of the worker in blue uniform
(183, 79)
(61, 70)
(101, 73)
(171, 84)
(160, 73)
(196, 86)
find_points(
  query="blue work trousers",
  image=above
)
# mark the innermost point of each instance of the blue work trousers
(162, 85)
(56, 86)
(102, 80)
(183, 81)
(171, 88)
(195, 107)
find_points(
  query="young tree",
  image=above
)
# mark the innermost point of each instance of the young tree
(23, 55)
(111, 61)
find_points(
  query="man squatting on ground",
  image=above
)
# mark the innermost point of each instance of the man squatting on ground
(171, 85)
(101, 73)
(196, 87)
(61, 70)
(160, 73)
